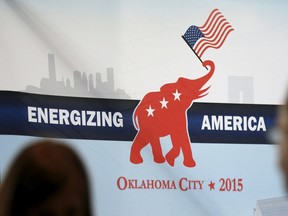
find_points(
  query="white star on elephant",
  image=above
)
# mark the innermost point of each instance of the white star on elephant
(150, 111)
(164, 103)
(176, 95)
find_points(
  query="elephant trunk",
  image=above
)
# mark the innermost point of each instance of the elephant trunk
(200, 82)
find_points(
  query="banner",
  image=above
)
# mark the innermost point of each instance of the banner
(170, 105)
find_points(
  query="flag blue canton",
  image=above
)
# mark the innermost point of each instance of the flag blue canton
(192, 35)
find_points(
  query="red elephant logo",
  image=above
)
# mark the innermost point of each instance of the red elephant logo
(165, 113)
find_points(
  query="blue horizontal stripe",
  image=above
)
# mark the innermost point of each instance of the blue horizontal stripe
(14, 119)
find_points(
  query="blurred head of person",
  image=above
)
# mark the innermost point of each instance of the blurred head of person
(283, 135)
(47, 178)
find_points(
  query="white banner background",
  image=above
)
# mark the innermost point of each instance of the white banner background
(141, 41)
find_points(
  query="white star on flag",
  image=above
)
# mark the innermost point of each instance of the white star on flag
(164, 103)
(150, 111)
(176, 95)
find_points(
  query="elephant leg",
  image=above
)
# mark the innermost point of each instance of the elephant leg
(139, 143)
(186, 150)
(180, 141)
(174, 152)
(157, 150)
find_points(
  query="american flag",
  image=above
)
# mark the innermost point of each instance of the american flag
(211, 35)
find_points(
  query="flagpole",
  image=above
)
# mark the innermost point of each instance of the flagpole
(193, 50)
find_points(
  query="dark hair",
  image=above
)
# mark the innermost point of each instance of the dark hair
(39, 172)
(286, 101)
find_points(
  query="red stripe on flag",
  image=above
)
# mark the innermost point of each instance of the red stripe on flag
(205, 44)
(212, 35)
(214, 26)
(210, 19)
(216, 30)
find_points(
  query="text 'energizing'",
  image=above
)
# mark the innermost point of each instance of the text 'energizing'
(74, 117)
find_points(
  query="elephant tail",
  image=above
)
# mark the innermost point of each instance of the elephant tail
(135, 119)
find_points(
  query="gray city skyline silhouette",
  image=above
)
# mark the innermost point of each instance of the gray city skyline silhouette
(83, 85)
(240, 88)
